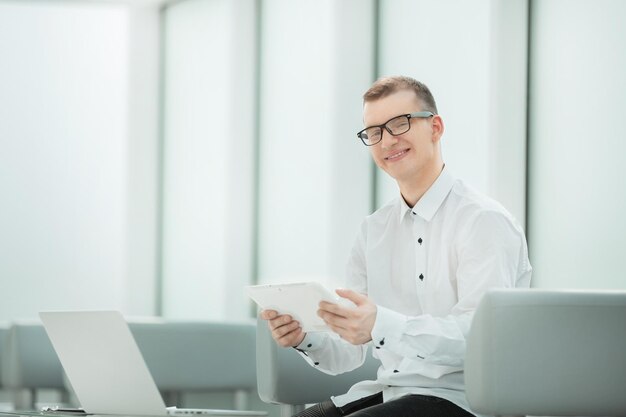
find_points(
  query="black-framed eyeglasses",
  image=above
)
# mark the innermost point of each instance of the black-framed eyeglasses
(395, 126)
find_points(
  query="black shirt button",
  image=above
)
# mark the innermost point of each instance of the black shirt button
(316, 363)
(395, 371)
(421, 277)
(309, 345)
(377, 347)
(382, 341)
(419, 240)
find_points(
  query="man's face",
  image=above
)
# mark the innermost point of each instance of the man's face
(407, 155)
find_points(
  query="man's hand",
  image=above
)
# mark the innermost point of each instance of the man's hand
(353, 324)
(285, 330)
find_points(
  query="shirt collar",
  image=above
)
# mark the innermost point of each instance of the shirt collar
(430, 202)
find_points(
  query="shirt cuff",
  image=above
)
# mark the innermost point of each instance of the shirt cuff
(312, 341)
(388, 327)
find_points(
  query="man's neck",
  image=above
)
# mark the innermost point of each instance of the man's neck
(413, 189)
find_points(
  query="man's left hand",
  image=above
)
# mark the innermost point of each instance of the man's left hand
(353, 324)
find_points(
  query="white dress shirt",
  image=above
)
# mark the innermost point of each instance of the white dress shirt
(426, 269)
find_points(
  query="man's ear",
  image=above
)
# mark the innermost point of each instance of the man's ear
(438, 128)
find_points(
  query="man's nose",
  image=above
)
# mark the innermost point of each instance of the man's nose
(387, 139)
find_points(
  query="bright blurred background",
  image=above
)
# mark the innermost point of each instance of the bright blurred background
(158, 156)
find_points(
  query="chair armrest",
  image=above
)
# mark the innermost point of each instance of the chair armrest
(548, 352)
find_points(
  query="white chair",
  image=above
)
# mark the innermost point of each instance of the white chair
(548, 352)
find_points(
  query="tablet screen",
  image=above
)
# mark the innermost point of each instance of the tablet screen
(299, 300)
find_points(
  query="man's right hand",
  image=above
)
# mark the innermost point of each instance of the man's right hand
(285, 330)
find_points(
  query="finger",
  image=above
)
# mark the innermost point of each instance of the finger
(282, 331)
(292, 339)
(353, 296)
(337, 309)
(268, 314)
(334, 319)
(280, 321)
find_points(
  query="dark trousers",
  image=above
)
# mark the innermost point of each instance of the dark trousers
(408, 406)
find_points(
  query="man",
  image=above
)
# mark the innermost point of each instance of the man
(416, 273)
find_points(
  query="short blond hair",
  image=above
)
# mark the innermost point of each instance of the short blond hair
(386, 86)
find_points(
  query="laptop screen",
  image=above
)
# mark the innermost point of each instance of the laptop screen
(103, 363)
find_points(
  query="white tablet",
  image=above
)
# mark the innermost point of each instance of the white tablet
(300, 300)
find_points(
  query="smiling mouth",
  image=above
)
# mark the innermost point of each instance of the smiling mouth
(396, 155)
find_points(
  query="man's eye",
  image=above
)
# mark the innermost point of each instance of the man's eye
(399, 124)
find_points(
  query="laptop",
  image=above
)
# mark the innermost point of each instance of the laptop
(105, 367)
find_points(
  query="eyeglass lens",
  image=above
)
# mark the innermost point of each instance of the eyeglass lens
(396, 126)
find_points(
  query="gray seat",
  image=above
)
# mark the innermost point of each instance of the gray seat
(285, 378)
(199, 356)
(181, 356)
(4, 328)
(29, 363)
(548, 352)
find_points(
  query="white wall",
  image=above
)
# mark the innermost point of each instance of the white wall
(472, 55)
(208, 158)
(142, 143)
(577, 199)
(69, 158)
(315, 174)
(313, 177)
(79, 140)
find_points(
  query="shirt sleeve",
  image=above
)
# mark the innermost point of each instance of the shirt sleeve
(330, 354)
(488, 256)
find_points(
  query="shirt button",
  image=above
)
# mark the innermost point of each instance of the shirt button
(382, 341)
(421, 277)
(419, 240)
(395, 371)
(309, 345)
(316, 363)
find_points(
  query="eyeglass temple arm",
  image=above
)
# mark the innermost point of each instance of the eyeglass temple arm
(422, 114)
